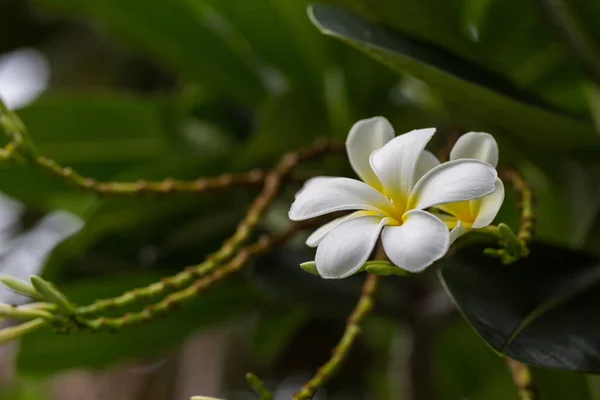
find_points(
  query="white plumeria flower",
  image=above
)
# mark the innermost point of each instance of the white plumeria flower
(400, 180)
(476, 213)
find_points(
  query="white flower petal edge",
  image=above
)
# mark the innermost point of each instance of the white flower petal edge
(426, 163)
(420, 241)
(321, 196)
(487, 207)
(366, 136)
(348, 246)
(453, 181)
(396, 162)
(477, 145)
(457, 231)
(315, 238)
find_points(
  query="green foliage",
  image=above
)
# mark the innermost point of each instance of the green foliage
(536, 310)
(251, 79)
(501, 107)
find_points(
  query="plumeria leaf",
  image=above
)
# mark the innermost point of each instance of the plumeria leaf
(483, 100)
(536, 310)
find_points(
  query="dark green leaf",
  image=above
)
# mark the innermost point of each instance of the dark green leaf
(539, 310)
(473, 95)
(437, 21)
(45, 352)
(180, 37)
(567, 18)
(295, 50)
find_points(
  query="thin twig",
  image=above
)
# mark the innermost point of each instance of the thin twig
(263, 245)
(272, 184)
(362, 309)
(526, 200)
(523, 380)
(142, 186)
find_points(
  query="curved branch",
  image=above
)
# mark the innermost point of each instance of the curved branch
(362, 309)
(272, 184)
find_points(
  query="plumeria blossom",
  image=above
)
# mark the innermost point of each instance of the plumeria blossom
(477, 213)
(399, 181)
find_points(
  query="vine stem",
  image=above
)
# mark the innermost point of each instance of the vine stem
(362, 309)
(140, 187)
(20, 145)
(526, 201)
(263, 245)
(523, 380)
(272, 184)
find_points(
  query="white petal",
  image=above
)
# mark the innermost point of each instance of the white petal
(477, 145)
(488, 206)
(459, 230)
(366, 136)
(315, 238)
(396, 162)
(426, 163)
(418, 242)
(346, 248)
(453, 181)
(324, 195)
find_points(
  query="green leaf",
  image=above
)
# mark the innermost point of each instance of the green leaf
(44, 352)
(295, 49)
(275, 331)
(539, 310)
(472, 95)
(576, 34)
(170, 30)
(99, 134)
(82, 128)
(436, 21)
(538, 63)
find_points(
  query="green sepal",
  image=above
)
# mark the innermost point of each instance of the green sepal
(20, 287)
(53, 295)
(7, 311)
(310, 267)
(506, 233)
(15, 332)
(385, 269)
(377, 267)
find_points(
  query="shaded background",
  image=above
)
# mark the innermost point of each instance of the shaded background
(124, 90)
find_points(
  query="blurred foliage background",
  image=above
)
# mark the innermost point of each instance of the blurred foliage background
(124, 90)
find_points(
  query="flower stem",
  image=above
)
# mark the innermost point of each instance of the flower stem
(362, 309)
(523, 380)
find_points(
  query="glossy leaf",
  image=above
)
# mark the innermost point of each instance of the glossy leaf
(45, 352)
(437, 21)
(473, 95)
(537, 310)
